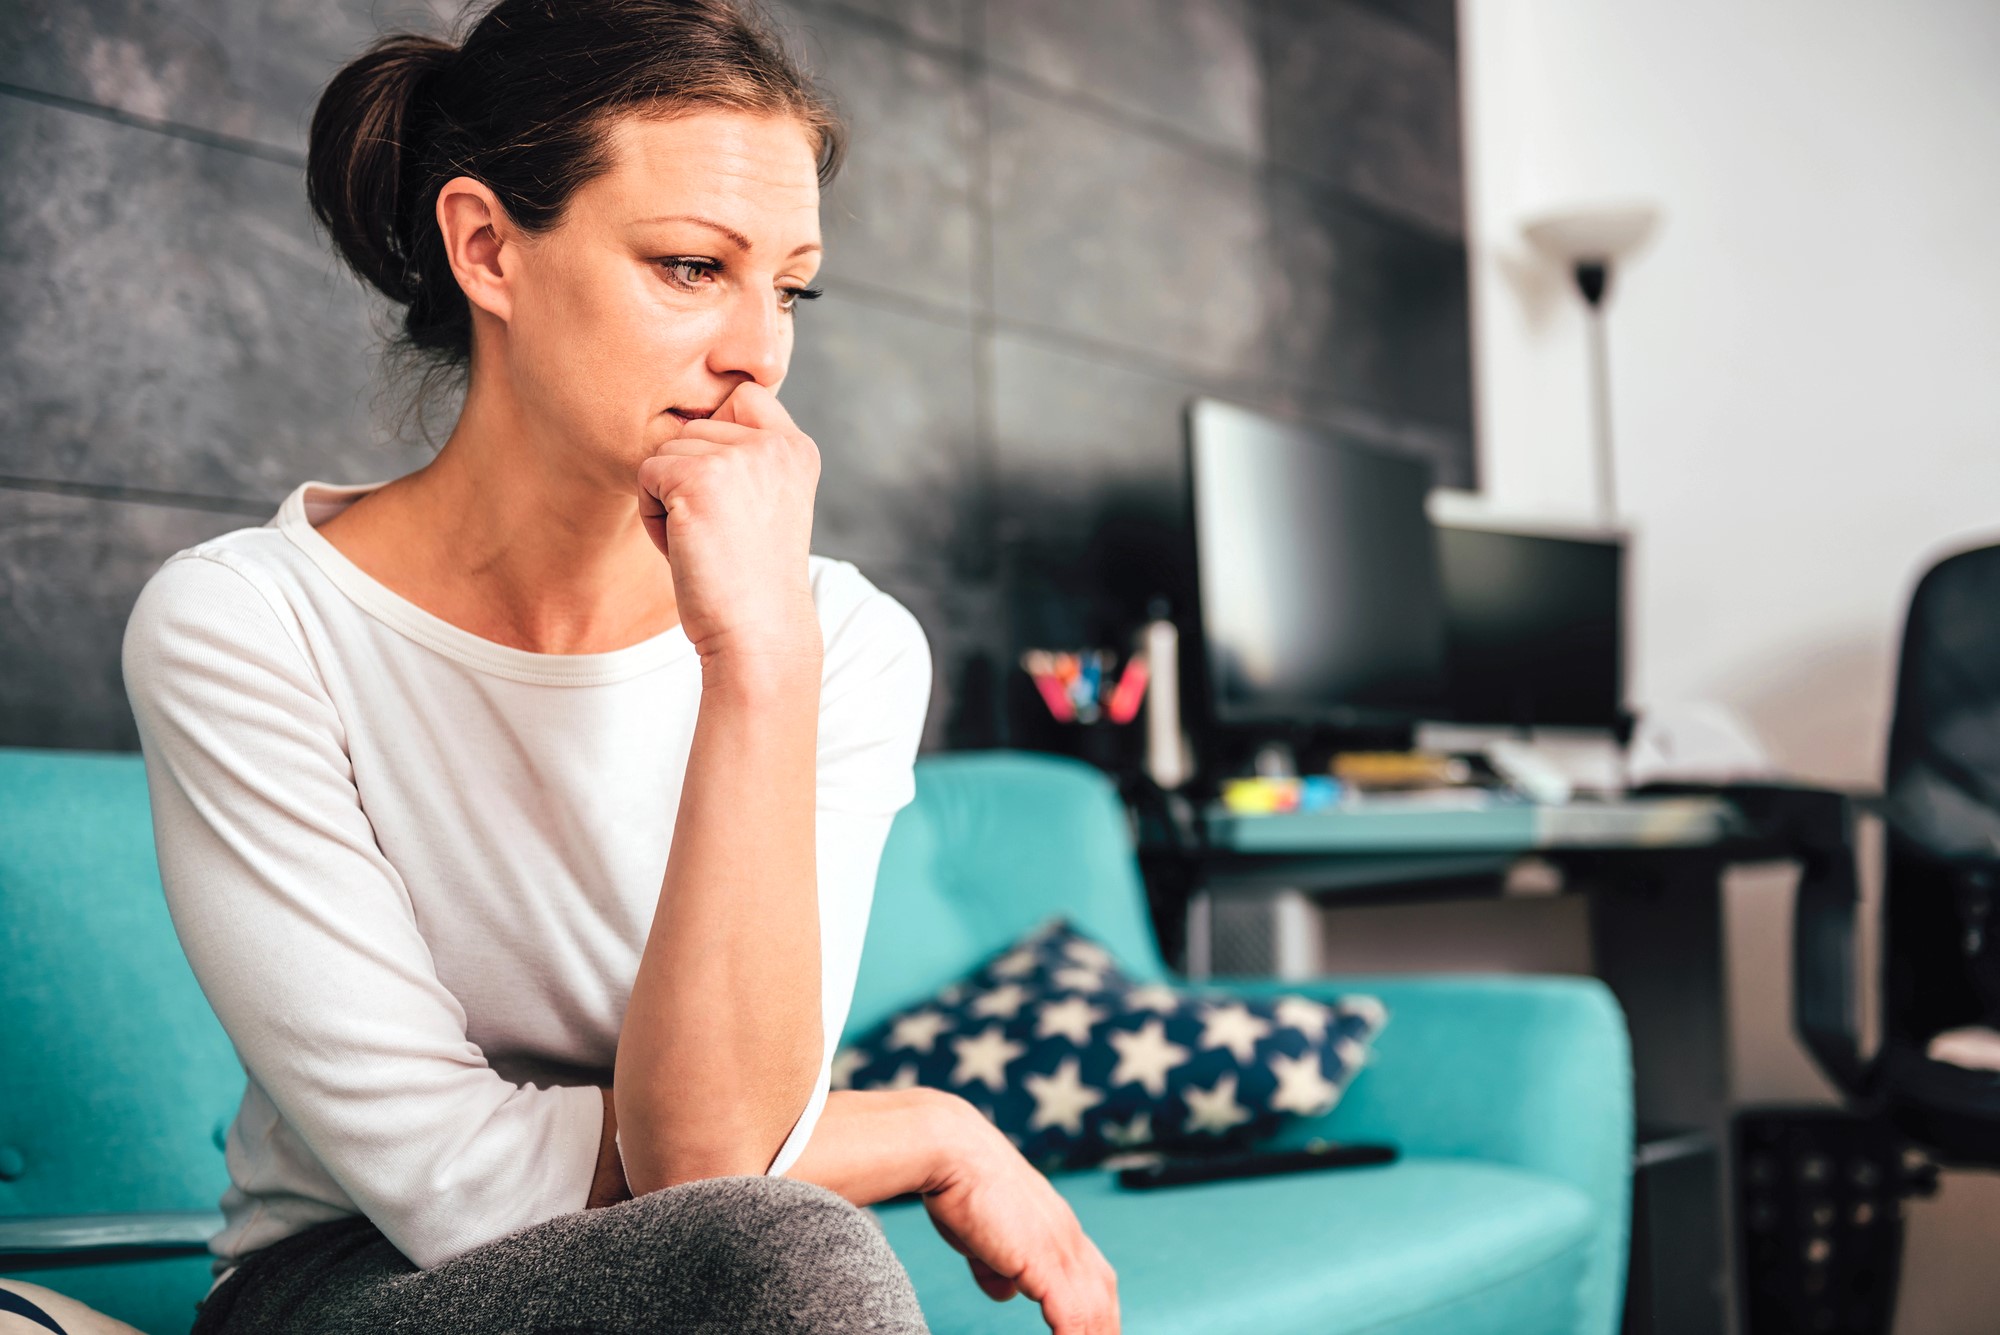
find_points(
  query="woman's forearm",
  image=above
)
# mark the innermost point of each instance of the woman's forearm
(869, 1145)
(872, 1145)
(722, 1038)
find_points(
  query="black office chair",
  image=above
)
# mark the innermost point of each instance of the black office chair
(1820, 1205)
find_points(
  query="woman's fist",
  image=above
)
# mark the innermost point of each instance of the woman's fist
(729, 502)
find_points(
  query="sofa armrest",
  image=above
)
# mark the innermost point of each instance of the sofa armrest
(1527, 1070)
(1531, 1071)
(81, 1238)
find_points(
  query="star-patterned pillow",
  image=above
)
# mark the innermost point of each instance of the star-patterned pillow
(1061, 1051)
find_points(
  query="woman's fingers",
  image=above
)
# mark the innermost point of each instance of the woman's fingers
(752, 405)
(991, 1282)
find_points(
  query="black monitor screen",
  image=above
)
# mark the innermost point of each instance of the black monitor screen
(1317, 571)
(1534, 625)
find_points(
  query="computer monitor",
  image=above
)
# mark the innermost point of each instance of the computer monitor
(1534, 627)
(1316, 569)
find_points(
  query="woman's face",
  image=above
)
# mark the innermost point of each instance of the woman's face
(671, 279)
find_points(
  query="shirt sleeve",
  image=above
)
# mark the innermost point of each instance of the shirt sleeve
(305, 941)
(874, 692)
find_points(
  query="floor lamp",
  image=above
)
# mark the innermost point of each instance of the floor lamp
(1590, 242)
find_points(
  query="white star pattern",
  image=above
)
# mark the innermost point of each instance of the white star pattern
(984, 1057)
(1014, 963)
(1153, 997)
(1146, 1056)
(1215, 1110)
(1302, 1087)
(1076, 978)
(1071, 1017)
(1061, 1099)
(1368, 1010)
(905, 1077)
(1088, 953)
(1352, 1053)
(1304, 1014)
(919, 1030)
(1233, 1027)
(845, 1063)
(1004, 1002)
(1138, 1131)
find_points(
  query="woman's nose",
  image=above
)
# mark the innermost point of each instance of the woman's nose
(756, 342)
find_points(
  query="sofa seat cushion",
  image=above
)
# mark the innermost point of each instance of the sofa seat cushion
(1423, 1245)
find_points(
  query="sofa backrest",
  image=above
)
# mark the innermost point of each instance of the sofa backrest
(116, 1081)
(994, 843)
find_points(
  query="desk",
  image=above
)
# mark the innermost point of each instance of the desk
(1652, 869)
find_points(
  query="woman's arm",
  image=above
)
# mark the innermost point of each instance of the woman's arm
(304, 936)
(868, 1146)
(723, 1037)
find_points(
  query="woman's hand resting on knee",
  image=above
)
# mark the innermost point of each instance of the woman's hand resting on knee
(1014, 1229)
(1019, 1235)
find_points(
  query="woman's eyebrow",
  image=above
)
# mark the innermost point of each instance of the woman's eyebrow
(736, 238)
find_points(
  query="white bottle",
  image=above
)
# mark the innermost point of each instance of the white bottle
(1168, 762)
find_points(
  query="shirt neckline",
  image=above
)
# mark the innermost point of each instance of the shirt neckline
(313, 503)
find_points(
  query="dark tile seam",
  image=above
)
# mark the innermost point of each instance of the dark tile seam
(173, 129)
(175, 500)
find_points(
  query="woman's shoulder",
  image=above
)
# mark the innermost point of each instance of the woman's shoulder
(230, 598)
(205, 578)
(851, 605)
(870, 636)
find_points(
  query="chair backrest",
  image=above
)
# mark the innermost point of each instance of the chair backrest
(1942, 966)
(116, 1081)
(994, 843)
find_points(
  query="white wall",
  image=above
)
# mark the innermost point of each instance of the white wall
(1806, 361)
(1806, 369)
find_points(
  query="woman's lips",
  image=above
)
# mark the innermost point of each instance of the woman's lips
(691, 414)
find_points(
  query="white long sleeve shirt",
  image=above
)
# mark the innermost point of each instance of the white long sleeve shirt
(414, 870)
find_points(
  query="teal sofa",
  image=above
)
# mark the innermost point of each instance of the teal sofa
(1510, 1097)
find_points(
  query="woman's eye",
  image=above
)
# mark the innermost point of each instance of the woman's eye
(790, 297)
(690, 274)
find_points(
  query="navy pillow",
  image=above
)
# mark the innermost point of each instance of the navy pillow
(1061, 1051)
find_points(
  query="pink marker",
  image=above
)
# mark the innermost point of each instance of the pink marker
(1055, 697)
(1130, 692)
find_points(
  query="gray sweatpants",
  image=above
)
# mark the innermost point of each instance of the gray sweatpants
(728, 1254)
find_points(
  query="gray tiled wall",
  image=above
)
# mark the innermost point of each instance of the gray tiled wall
(1060, 220)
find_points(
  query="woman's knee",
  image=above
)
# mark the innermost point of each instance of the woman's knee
(783, 1254)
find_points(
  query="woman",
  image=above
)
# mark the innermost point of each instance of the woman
(520, 816)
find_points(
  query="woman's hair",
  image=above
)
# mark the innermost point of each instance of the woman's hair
(524, 105)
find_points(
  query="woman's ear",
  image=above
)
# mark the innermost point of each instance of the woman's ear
(479, 242)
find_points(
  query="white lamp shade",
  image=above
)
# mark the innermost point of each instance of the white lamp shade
(1598, 234)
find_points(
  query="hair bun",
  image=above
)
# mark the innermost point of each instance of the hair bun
(364, 139)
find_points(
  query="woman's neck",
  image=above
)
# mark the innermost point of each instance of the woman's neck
(500, 536)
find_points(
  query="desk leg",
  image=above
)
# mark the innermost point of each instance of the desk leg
(1656, 935)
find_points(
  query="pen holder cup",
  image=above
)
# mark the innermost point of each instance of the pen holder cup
(1087, 703)
(1115, 748)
